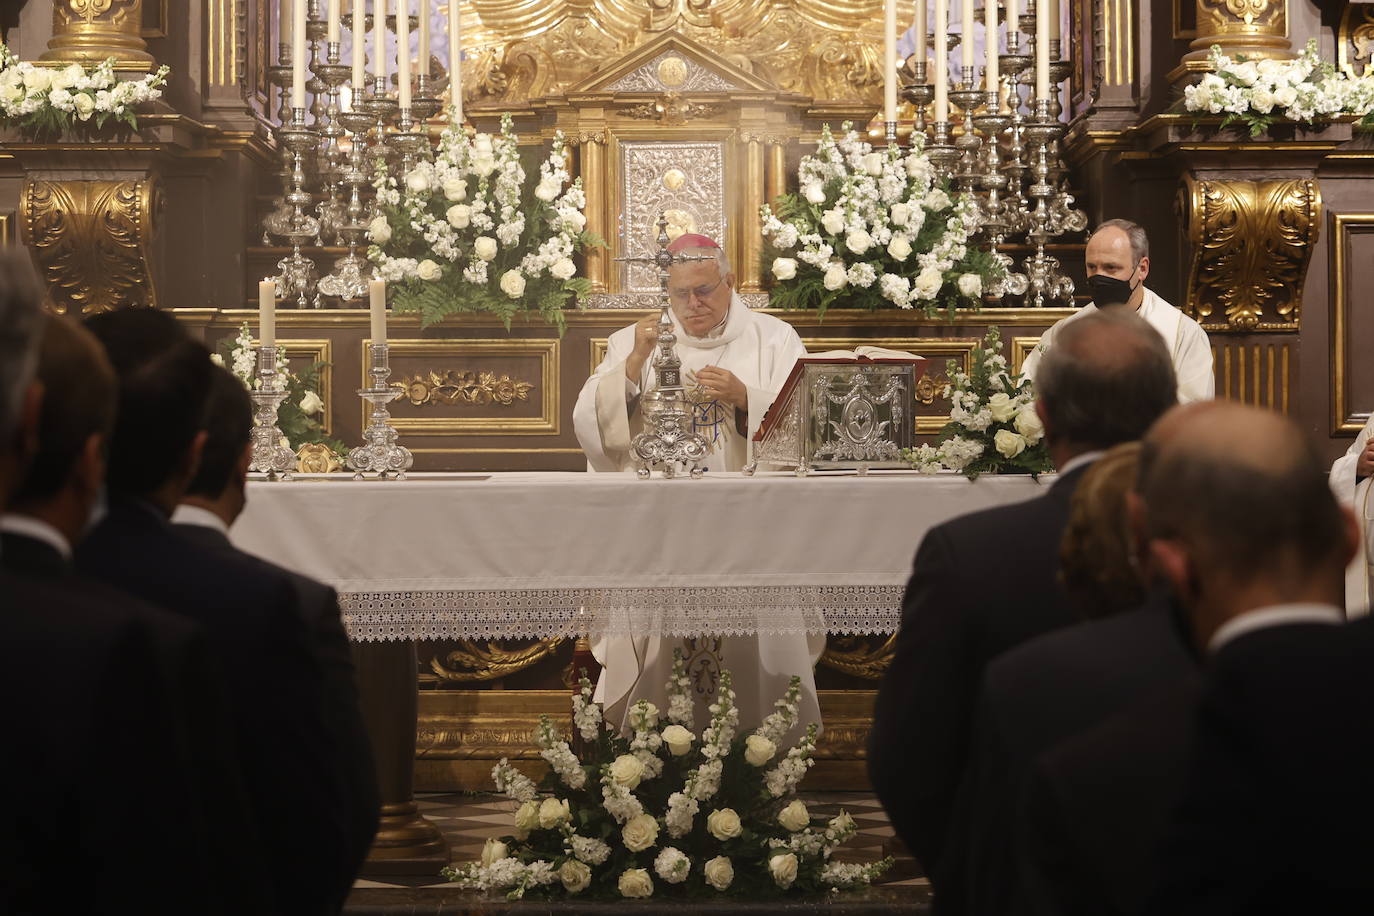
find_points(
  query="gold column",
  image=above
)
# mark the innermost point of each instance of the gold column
(593, 174)
(92, 30)
(751, 232)
(775, 181)
(1255, 28)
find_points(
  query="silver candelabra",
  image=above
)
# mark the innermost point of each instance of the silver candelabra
(379, 454)
(270, 457)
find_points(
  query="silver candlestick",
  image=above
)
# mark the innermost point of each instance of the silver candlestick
(270, 457)
(349, 279)
(941, 151)
(278, 219)
(918, 91)
(1046, 282)
(331, 158)
(297, 271)
(379, 454)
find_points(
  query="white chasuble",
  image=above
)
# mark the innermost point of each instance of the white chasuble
(1187, 342)
(760, 350)
(1359, 575)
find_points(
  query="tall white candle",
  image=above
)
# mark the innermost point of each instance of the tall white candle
(267, 313)
(889, 60)
(403, 51)
(966, 31)
(455, 60)
(298, 55)
(921, 52)
(941, 62)
(1013, 21)
(379, 38)
(1042, 50)
(332, 20)
(359, 37)
(376, 291)
(990, 38)
(423, 59)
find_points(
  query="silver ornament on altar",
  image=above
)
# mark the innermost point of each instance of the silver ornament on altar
(270, 457)
(379, 454)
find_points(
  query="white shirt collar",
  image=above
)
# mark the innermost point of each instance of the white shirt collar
(38, 530)
(1274, 616)
(195, 515)
(1077, 461)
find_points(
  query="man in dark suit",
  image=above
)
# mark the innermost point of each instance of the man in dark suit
(251, 614)
(171, 792)
(1107, 379)
(212, 502)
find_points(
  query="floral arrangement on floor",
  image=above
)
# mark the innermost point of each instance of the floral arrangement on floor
(873, 229)
(993, 427)
(49, 100)
(665, 812)
(300, 416)
(1257, 93)
(467, 233)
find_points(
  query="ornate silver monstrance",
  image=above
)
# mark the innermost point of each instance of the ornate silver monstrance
(668, 439)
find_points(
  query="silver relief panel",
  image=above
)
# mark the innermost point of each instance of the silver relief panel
(672, 72)
(685, 180)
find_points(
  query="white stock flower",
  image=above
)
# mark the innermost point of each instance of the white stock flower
(379, 230)
(678, 739)
(723, 824)
(936, 199)
(513, 284)
(858, 241)
(311, 404)
(814, 193)
(627, 770)
(493, 851)
(758, 750)
(720, 874)
(639, 833)
(1028, 424)
(428, 270)
(795, 816)
(547, 190)
(784, 268)
(835, 276)
(635, 882)
(899, 248)
(484, 246)
(1008, 443)
(589, 850)
(1002, 408)
(672, 866)
(783, 867)
(833, 221)
(928, 283)
(563, 269)
(971, 285)
(459, 216)
(575, 875)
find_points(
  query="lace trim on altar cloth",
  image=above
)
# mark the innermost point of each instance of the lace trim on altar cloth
(670, 612)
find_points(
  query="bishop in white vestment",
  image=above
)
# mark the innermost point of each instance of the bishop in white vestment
(1118, 261)
(1350, 478)
(734, 362)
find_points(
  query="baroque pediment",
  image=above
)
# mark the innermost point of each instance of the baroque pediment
(672, 63)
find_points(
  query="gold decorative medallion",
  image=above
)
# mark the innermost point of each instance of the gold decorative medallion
(672, 71)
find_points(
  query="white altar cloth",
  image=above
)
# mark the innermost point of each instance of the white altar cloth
(532, 555)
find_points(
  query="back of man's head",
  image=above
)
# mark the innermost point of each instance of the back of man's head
(1105, 380)
(164, 383)
(1245, 493)
(21, 301)
(228, 427)
(79, 398)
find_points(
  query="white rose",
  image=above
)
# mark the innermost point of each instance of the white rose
(720, 874)
(899, 247)
(575, 876)
(971, 285)
(1008, 443)
(640, 832)
(1245, 72)
(563, 269)
(217, 359)
(1028, 424)
(833, 221)
(417, 182)
(936, 199)
(928, 283)
(814, 193)
(795, 816)
(513, 284)
(547, 190)
(527, 816)
(483, 164)
(1002, 407)
(842, 822)
(835, 276)
(39, 79)
(484, 247)
(627, 770)
(459, 216)
(455, 188)
(379, 230)
(900, 215)
(635, 882)
(1262, 100)
(858, 241)
(1285, 96)
(758, 750)
(84, 105)
(428, 270)
(493, 851)
(678, 739)
(72, 75)
(311, 404)
(784, 268)
(482, 143)
(723, 824)
(552, 812)
(873, 164)
(783, 867)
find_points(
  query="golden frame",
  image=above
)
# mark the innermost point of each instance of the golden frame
(319, 351)
(8, 224)
(1021, 348)
(547, 424)
(1344, 420)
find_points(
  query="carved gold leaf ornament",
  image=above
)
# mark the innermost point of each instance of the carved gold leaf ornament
(454, 388)
(860, 656)
(317, 458)
(478, 662)
(89, 9)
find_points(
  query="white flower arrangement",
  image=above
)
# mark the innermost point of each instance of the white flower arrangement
(300, 414)
(993, 427)
(1258, 92)
(49, 100)
(467, 232)
(622, 821)
(871, 229)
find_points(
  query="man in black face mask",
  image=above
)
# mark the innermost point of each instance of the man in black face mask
(1118, 261)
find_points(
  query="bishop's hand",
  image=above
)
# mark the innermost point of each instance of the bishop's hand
(1364, 465)
(646, 338)
(723, 385)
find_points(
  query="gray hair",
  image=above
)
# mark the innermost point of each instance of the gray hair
(1105, 380)
(21, 299)
(722, 259)
(1135, 234)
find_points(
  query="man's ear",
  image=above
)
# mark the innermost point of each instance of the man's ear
(1044, 417)
(1169, 559)
(730, 280)
(1144, 268)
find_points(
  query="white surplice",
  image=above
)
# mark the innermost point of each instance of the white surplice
(760, 350)
(1185, 338)
(1359, 575)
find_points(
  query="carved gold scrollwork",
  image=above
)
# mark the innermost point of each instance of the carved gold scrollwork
(929, 387)
(91, 30)
(859, 657)
(1252, 241)
(1355, 38)
(672, 108)
(317, 458)
(451, 388)
(492, 661)
(90, 240)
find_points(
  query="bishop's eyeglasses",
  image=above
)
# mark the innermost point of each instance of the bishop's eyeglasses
(680, 296)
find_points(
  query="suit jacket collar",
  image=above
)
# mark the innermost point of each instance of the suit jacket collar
(203, 535)
(32, 556)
